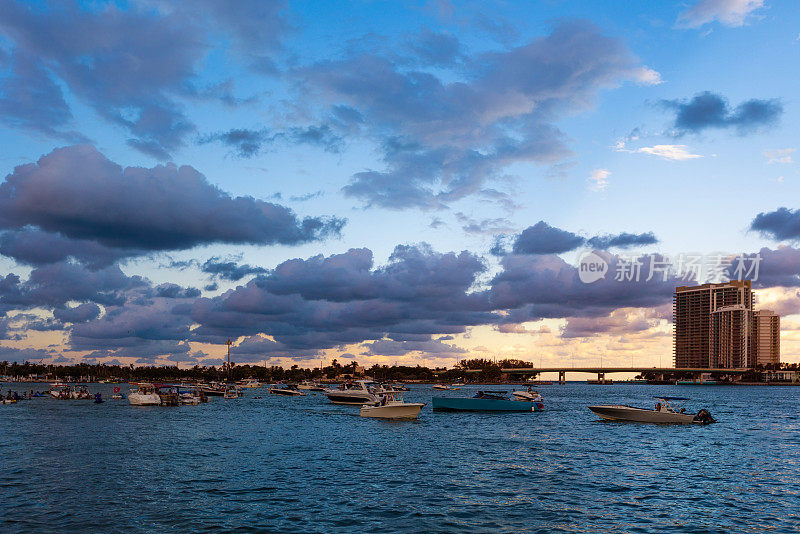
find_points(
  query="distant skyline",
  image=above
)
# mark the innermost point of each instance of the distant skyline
(388, 182)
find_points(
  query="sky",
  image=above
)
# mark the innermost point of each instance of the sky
(390, 182)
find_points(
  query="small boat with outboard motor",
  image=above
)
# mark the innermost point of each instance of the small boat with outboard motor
(392, 406)
(310, 385)
(444, 387)
(483, 401)
(287, 390)
(668, 410)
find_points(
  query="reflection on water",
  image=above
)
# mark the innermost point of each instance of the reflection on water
(300, 464)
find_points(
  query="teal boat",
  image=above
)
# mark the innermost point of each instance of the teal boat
(484, 401)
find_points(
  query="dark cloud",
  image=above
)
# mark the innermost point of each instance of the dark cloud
(132, 65)
(623, 240)
(541, 238)
(35, 247)
(244, 143)
(163, 208)
(545, 286)
(710, 110)
(782, 224)
(443, 137)
(174, 291)
(78, 314)
(229, 270)
(53, 286)
(11, 354)
(325, 302)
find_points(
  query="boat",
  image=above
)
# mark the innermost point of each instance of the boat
(145, 395)
(231, 393)
(483, 401)
(392, 406)
(355, 393)
(529, 396)
(310, 385)
(214, 389)
(289, 390)
(249, 383)
(443, 387)
(98, 398)
(59, 390)
(668, 410)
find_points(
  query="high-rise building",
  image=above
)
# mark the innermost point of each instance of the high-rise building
(767, 337)
(713, 325)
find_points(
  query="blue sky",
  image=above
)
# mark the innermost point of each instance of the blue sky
(156, 146)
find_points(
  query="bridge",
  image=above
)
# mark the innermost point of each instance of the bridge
(602, 371)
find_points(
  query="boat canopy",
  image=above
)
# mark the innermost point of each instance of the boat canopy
(671, 398)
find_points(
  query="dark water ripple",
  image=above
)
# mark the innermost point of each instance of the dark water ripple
(303, 465)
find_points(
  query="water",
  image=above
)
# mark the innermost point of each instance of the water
(304, 465)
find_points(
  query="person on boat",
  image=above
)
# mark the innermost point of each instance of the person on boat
(658, 406)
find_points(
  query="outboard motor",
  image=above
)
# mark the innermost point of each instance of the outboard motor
(704, 417)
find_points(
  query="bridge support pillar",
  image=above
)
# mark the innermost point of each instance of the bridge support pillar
(562, 377)
(601, 378)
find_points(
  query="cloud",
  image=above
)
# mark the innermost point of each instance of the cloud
(11, 354)
(484, 226)
(599, 179)
(133, 65)
(670, 152)
(542, 238)
(324, 302)
(733, 13)
(32, 101)
(247, 143)
(781, 155)
(622, 240)
(78, 314)
(229, 270)
(782, 224)
(710, 110)
(442, 137)
(136, 209)
(619, 322)
(35, 247)
(434, 48)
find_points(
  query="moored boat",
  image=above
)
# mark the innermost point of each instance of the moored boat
(355, 393)
(392, 406)
(288, 390)
(483, 401)
(530, 396)
(145, 395)
(668, 410)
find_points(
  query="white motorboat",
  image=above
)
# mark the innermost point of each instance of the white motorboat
(668, 410)
(146, 395)
(354, 393)
(530, 396)
(60, 391)
(391, 406)
(443, 387)
(310, 385)
(288, 390)
(249, 383)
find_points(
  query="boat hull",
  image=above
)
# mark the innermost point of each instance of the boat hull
(641, 415)
(398, 411)
(461, 404)
(137, 399)
(287, 392)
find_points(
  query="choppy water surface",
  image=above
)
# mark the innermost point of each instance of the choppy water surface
(304, 465)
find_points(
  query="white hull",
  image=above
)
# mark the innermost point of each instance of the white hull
(393, 411)
(641, 415)
(525, 396)
(139, 399)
